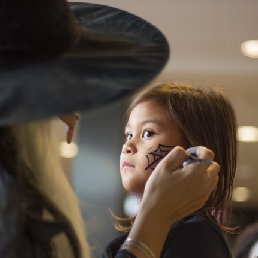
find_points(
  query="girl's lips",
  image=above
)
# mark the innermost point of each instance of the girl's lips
(126, 164)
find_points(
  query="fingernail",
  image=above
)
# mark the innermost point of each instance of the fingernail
(191, 150)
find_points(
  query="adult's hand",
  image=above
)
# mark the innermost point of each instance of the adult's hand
(182, 190)
(171, 193)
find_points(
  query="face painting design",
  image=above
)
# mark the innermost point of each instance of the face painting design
(156, 156)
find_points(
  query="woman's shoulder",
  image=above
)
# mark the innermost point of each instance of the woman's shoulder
(196, 235)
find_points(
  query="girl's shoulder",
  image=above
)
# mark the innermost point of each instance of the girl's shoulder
(197, 221)
(196, 235)
(113, 247)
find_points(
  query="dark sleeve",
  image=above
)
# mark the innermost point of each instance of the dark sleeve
(125, 254)
(9, 214)
(198, 239)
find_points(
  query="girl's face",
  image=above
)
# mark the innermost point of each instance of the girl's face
(149, 129)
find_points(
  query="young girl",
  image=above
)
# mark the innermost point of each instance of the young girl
(162, 117)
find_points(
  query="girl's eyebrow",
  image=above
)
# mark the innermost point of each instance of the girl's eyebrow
(147, 121)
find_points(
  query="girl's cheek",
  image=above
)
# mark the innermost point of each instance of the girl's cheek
(151, 162)
(154, 157)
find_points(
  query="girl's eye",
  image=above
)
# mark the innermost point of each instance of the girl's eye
(128, 136)
(147, 134)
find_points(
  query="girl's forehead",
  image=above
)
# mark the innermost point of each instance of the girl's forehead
(149, 104)
(149, 111)
(140, 105)
(146, 109)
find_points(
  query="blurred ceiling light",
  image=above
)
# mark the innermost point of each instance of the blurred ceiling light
(68, 150)
(250, 48)
(248, 134)
(241, 194)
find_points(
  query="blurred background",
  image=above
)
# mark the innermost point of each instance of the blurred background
(207, 48)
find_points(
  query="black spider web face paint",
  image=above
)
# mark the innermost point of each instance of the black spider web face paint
(156, 156)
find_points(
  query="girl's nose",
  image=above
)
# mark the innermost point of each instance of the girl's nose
(128, 148)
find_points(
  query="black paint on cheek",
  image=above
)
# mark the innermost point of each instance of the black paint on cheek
(153, 158)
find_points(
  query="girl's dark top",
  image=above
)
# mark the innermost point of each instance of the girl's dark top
(194, 236)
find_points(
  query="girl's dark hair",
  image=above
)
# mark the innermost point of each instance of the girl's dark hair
(206, 118)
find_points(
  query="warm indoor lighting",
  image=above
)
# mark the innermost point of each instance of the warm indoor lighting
(250, 48)
(245, 172)
(248, 134)
(241, 194)
(68, 150)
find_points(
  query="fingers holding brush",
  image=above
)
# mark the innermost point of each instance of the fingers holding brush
(199, 155)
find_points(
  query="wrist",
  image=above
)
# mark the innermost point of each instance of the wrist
(150, 229)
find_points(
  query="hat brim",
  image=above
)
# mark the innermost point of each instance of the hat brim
(81, 80)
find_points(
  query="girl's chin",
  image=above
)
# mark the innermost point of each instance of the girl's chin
(131, 187)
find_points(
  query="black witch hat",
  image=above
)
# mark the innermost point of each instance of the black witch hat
(58, 58)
